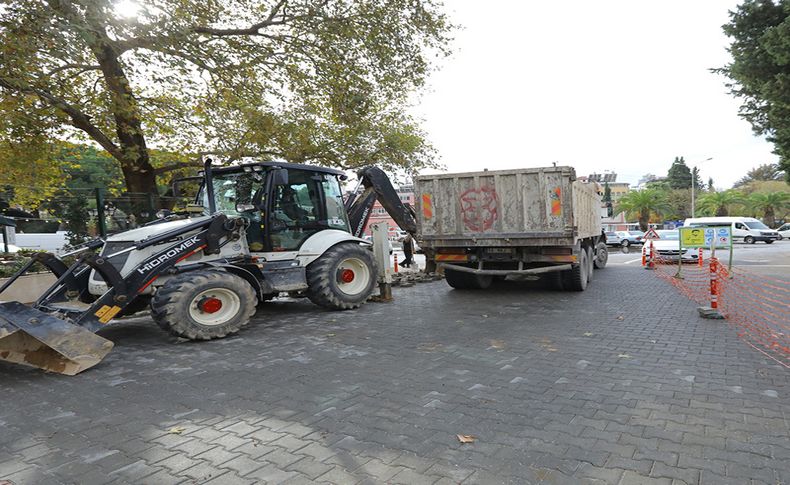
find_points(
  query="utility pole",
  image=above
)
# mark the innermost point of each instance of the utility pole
(694, 185)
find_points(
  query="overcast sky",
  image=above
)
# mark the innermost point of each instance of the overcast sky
(609, 85)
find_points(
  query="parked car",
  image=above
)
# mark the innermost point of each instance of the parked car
(612, 239)
(667, 247)
(628, 238)
(784, 231)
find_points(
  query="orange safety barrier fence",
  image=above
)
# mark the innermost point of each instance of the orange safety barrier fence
(758, 306)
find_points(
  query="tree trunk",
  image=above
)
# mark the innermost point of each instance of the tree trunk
(643, 221)
(722, 211)
(769, 218)
(139, 177)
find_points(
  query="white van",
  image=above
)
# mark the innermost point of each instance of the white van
(747, 229)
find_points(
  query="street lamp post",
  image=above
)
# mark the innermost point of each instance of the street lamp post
(694, 185)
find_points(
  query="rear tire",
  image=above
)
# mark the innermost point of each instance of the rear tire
(467, 281)
(179, 306)
(342, 278)
(601, 256)
(625, 243)
(576, 278)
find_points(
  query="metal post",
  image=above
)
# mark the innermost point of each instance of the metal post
(382, 255)
(100, 213)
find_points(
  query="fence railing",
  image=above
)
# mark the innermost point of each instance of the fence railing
(757, 305)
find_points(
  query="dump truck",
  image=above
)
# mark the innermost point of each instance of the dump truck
(529, 223)
(254, 231)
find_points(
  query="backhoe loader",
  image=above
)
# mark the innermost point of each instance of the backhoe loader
(262, 229)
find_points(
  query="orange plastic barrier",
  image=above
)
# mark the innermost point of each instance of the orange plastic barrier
(757, 306)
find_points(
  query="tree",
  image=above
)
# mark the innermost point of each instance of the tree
(769, 204)
(760, 72)
(642, 203)
(679, 175)
(710, 185)
(303, 80)
(696, 180)
(767, 171)
(719, 203)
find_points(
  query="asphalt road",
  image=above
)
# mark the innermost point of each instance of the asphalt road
(765, 259)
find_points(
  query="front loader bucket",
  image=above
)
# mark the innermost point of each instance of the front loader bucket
(32, 337)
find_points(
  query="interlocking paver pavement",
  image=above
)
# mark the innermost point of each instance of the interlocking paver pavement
(622, 383)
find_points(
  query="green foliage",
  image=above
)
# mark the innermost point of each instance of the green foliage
(303, 80)
(679, 175)
(719, 203)
(760, 70)
(768, 204)
(768, 171)
(643, 204)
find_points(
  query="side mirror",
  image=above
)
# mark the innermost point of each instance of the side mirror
(242, 208)
(280, 176)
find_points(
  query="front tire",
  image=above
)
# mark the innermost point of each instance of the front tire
(204, 305)
(590, 263)
(601, 256)
(749, 240)
(342, 278)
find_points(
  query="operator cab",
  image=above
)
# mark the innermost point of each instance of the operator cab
(284, 203)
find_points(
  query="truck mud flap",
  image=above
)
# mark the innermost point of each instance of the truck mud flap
(37, 339)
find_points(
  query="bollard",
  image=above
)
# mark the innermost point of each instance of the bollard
(643, 255)
(396, 262)
(712, 311)
(699, 259)
(651, 257)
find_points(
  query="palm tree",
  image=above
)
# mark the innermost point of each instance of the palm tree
(718, 203)
(642, 203)
(769, 203)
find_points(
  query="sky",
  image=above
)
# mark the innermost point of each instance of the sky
(612, 85)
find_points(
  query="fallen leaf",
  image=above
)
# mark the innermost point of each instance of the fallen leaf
(624, 356)
(176, 430)
(498, 344)
(484, 316)
(620, 317)
(330, 335)
(588, 334)
(466, 438)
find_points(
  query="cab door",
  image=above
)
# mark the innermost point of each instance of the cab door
(739, 230)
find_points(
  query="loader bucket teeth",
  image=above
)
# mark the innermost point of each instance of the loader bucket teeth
(37, 339)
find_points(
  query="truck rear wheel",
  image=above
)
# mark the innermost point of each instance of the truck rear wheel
(204, 305)
(601, 256)
(461, 280)
(575, 279)
(342, 278)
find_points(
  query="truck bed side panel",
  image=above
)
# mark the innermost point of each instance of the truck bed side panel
(509, 207)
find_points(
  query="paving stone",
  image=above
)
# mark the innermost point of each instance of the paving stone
(309, 467)
(633, 478)
(383, 397)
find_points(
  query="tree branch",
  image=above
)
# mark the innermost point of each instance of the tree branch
(78, 118)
